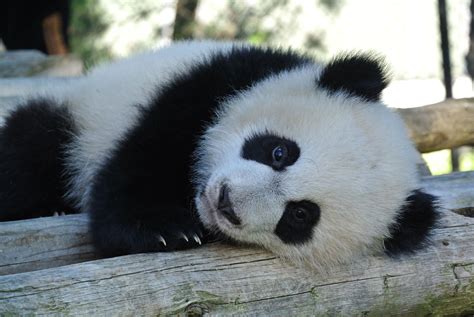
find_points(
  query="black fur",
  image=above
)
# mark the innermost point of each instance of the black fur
(297, 230)
(413, 225)
(260, 148)
(32, 142)
(359, 75)
(144, 189)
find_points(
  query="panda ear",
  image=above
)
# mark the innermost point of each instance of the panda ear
(412, 227)
(361, 75)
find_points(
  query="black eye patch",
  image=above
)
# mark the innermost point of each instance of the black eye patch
(297, 222)
(271, 150)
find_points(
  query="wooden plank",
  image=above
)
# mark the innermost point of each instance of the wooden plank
(221, 279)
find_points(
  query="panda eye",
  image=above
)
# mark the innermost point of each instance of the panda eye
(300, 215)
(279, 154)
(298, 221)
(271, 150)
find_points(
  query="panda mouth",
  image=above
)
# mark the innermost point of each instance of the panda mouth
(230, 216)
(226, 218)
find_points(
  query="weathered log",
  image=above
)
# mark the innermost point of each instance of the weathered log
(30, 245)
(444, 125)
(224, 280)
(221, 279)
(40, 243)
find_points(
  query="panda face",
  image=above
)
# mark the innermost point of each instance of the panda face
(298, 217)
(313, 174)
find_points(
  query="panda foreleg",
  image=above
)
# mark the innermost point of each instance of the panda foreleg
(136, 205)
(32, 176)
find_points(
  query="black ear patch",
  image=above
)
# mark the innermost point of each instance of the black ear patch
(361, 75)
(413, 225)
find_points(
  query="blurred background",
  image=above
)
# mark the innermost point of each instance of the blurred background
(408, 33)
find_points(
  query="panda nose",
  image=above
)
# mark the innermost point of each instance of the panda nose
(224, 206)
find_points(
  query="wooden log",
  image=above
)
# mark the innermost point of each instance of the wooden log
(455, 189)
(220, 279)
(34, 244)
(223, 280)
(40, 243)
(444, 125)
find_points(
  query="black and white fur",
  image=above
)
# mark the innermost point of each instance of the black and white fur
(263, 146)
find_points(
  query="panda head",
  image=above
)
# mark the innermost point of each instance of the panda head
(310, 165)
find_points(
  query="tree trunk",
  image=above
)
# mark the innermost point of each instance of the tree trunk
(184, 20)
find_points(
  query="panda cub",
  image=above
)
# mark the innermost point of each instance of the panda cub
(258, 145)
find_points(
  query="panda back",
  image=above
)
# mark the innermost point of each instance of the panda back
(106, 103)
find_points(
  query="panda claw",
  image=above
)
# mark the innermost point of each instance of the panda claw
(55, 214)
(62, 213)
(184, 237)
(196, 238)
(162, 240)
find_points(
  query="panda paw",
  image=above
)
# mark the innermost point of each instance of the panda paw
(178, 236)
(113, 238)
